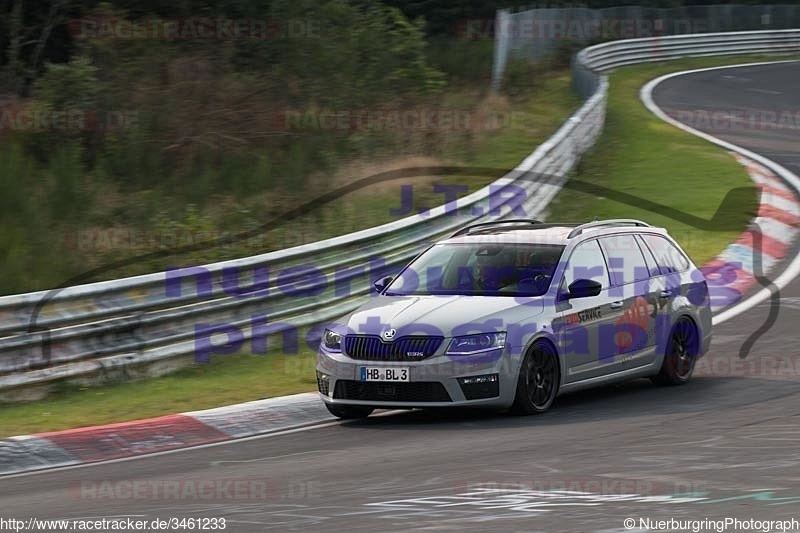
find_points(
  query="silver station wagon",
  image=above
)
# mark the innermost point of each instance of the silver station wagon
(509, 314)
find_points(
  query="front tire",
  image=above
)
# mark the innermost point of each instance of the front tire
(682, 350)
(349, 412)
(539, 377)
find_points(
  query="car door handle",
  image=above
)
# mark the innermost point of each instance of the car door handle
(616, 305)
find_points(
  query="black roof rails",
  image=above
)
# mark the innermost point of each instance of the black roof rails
(517, 221)
(610, 222)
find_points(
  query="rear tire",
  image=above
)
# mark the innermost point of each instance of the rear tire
(539, 377)
(681, 356)
(349, 412)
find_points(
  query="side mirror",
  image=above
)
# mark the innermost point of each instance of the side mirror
(381, 284)
(582, 288)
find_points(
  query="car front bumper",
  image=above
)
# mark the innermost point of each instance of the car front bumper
(482, 380)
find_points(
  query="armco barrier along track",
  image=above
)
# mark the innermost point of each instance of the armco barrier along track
(89, 330)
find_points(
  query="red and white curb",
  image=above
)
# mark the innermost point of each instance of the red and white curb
(763, 245)
(161, 434)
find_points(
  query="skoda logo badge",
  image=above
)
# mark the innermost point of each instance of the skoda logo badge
(389, 334)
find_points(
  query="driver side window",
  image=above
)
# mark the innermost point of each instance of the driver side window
(586, 262)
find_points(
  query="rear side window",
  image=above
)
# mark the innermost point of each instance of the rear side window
(648, 257)
(625, 260)
(586, 262)
(668, 258)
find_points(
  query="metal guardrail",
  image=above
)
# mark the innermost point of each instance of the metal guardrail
(607, 56)
(546, 32)
(100, 327)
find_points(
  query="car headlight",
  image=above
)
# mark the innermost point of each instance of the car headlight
(482, 342)
(332, 341)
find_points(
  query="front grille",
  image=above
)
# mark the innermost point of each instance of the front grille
(375, 391)
(372, 348)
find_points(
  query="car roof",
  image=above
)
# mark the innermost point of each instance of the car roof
(547, 233)
(550, 235)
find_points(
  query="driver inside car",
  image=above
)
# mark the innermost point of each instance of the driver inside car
(495, 268)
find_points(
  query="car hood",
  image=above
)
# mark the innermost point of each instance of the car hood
(441, 315)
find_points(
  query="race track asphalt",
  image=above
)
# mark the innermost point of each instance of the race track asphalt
(724, 446)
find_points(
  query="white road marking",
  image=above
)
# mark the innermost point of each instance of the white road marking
(269, 458)
(762, 91)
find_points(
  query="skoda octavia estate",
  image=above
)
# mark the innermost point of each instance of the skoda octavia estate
(509, 314)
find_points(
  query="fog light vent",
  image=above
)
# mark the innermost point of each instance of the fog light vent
(323, 383)
(480, 387)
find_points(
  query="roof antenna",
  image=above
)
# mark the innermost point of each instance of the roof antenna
(596, 219)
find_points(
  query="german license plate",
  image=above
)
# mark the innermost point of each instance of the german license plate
(383, 373)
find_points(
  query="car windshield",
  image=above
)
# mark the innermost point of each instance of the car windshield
(489, 269)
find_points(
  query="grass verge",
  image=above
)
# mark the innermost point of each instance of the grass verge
(226, 380)
(637, 153)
